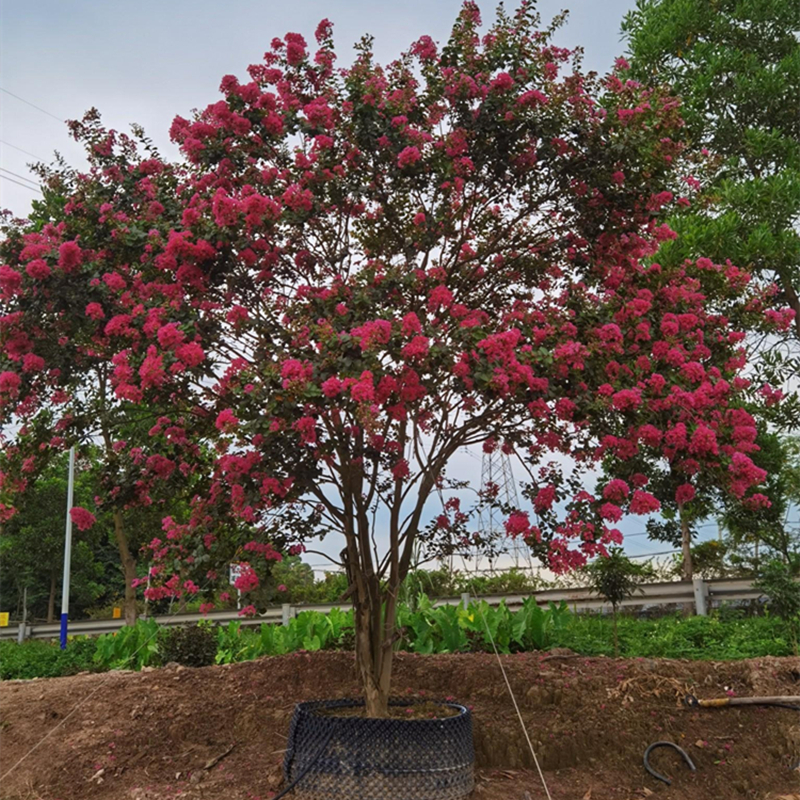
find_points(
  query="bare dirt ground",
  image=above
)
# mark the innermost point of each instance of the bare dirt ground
(219, 732)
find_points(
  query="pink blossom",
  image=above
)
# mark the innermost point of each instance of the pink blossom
(408, 156)
(676, 436)
(152, 370)
(533, 98)
(627, 399)
(296, 373)
(411, 324)
(440, 296)
(502, 82)
(10, 280)
(780, 318)
(517, 524)
(611, 512)
(757, 501)
(247, 578)
(685, 493)
(644, 503)
(226, 420)
(82, 518)
(69, 256)
(114, 281)
(38, 269)
(400, 470)
(307, 428)
(650, 435)
(190, 354)
(295, 48)
(374, 333)
(416, 348)
(94, 311)
(616, 490)
(324, 31)
(161, 466)
(424, 48)
(9, 383)
(297, 198)
(32, 363)
(170, 336)
(544, 499)
(704, 442)
(363, 390)
(332, 387)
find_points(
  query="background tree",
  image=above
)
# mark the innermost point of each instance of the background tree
(711, 560)
(736, 66)
(32, 546)
(757, 535)
(616, 578)
(74, 279)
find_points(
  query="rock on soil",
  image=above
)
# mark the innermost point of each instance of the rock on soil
(220, 732)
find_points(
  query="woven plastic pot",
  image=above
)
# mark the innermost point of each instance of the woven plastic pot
(359, 758)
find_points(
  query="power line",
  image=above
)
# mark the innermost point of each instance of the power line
(21, 177)
(32, 105)
(651, 555)
(23, 185)
(27, 152)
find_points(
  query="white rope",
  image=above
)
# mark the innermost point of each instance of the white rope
(75, 708)
(513, 699)
(54, 729)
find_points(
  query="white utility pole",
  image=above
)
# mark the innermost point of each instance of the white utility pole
(67, 550)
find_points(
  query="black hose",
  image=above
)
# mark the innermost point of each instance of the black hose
(655, 774)
(305, 769)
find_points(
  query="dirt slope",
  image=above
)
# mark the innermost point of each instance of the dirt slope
(151, 735)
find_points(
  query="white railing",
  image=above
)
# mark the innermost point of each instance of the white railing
(701, 594)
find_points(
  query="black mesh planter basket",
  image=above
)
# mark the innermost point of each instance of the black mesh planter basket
(360, 758)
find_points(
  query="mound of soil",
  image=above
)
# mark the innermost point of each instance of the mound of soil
(220, 732)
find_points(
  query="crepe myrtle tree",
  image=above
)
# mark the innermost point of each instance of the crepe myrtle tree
(443, 252)
(383, 265)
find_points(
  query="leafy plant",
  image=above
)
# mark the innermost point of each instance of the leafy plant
(534, 626)
(616, 578)
(190, 645)
(779, 583)
(131, 647)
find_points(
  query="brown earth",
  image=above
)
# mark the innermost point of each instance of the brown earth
(155, 735)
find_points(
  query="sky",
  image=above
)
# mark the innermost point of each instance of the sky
(147, 61)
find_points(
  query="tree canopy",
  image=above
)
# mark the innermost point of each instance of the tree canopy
(358, 272)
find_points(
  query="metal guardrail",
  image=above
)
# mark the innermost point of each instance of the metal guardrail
(580, 599)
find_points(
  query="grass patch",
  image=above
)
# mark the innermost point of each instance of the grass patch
(446, 629)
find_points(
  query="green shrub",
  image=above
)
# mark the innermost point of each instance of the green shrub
(423, 629)
(190, 645)
(779, 583)
(39, 659)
